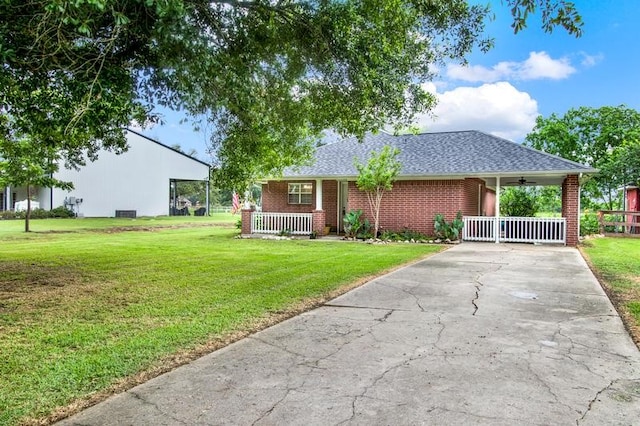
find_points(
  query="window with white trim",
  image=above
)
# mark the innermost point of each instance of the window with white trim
(300, 193)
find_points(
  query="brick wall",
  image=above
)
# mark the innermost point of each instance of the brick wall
(474, 189)
(330, 201)
(275, 198)
(413, 204)
(489, 202)
(570, 208)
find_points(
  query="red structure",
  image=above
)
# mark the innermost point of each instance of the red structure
(633, 205)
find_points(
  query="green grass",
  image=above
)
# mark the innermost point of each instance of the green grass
(81, 310)
(616, 261)
(15, 228)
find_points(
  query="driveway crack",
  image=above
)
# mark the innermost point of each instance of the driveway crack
(478, 285)
(593, 400)
(155, 406)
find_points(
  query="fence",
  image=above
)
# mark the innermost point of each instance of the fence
(619, 223)
(515, 229)
(275, 223)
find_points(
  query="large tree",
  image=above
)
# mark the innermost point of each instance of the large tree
(268, 75)
(599, 137)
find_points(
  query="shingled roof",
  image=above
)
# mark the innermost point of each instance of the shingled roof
(462, 153)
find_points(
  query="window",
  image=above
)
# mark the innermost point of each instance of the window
(300, 193)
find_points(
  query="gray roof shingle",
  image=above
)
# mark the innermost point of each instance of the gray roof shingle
(470, 153)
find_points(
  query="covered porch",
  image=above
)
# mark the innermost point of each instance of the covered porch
(558, 230)
(301, 208)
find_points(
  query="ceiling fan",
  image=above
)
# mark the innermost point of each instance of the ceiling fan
(522, 181)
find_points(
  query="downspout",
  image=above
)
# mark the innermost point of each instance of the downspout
(579, 203)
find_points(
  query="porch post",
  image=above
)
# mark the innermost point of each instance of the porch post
(571, 208)
(318, 194)
(497, 212)
(319, 218)
(207, 197)
(246, 221)
(7, 200)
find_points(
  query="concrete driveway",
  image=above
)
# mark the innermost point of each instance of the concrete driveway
(479, 334)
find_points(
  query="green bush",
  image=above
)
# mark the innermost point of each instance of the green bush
(448, 231)
(352, 223)
(405, 235)
(589, 224)
(58, 212)
(62, 212)
(518, 202)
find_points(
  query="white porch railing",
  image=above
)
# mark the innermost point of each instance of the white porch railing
(275, 223)
(479, 228)
(515, 229)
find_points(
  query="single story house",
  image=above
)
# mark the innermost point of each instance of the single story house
(139, 182)
(441, 173)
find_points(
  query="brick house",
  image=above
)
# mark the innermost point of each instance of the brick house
(441, 173)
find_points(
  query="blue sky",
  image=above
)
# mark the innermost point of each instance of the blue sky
(525, 75)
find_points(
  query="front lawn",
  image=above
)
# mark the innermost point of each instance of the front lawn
(90, 309)
(616, 262)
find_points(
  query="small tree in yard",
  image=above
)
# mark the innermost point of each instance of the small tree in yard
(31, 164)
(376, 177)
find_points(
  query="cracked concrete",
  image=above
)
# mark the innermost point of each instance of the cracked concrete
(410, 348)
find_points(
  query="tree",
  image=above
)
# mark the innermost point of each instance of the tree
(25, 162)
(590, 136)
(267, 75)
(376, 177)
(518, 202)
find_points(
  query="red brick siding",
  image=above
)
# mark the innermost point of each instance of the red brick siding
(413, 204)
(489, 202)
(570, 208)
(246, 221)
(330, 201)
(275, 198)
(474, 189)
(318, 221)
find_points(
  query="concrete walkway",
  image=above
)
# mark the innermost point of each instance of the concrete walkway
(479, 334)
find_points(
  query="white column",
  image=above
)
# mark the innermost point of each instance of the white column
(207, 201)
(318, 194)
(497, 213)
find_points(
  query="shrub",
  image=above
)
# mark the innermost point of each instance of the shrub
(58, 212)
(8, 215)
(589, 224)
(448, 231)
(518, 202)
(352, 223)
(61, 212)
(285, 233)
(366, 230)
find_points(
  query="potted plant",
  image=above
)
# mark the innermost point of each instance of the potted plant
(327, 229)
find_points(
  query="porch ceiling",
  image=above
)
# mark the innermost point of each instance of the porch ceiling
(529, 180)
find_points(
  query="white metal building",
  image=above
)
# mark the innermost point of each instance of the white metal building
(137, 182)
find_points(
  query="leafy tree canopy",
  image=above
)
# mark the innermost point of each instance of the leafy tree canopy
(604, 138)
(267, 75)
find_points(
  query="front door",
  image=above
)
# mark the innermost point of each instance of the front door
(343, 203)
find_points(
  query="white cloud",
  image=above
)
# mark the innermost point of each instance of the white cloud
(590, 60)
(497, 108)
(539, 65)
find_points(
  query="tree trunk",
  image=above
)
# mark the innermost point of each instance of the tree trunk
(28, 215)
